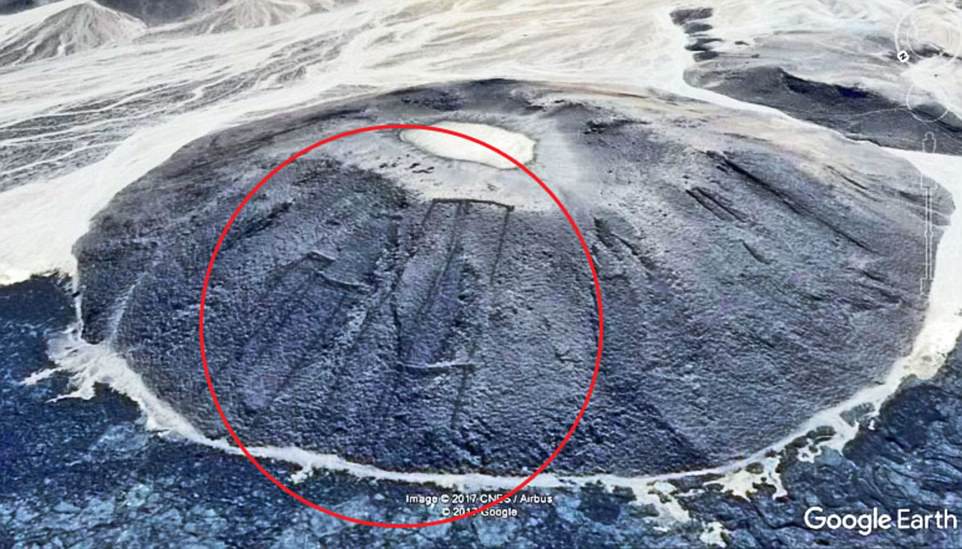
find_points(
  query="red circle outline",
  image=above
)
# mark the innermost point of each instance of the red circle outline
(210, 382)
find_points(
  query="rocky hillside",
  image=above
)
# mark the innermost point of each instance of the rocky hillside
(418, 312)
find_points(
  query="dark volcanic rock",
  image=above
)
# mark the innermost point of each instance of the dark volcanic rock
(423, 313)
(155, 13)
(911, 460)
(86, 472)
(875, 103)
(692, 21)
(858, 113)
(14, 6)
(684, 16)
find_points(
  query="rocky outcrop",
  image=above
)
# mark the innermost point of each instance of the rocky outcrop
(857, 86)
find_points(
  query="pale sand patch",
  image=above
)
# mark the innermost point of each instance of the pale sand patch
(514, 144)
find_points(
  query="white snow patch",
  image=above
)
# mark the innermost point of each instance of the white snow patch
(513, 144)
